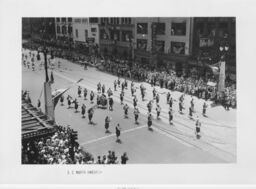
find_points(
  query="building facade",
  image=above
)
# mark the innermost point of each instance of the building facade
(212, 34)
(117, 37)
(64, 28)
(165, 42)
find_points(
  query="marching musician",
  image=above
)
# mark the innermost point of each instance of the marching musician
(115, 83)
(62, 100)
(83, 110)
(204, 108)
(122, 97)
(118, 133)
(90, 115)
(149, 121)
(91, 96)
(79, 90)
(157, 98)
(111, 102)
(85, 93)
(107, 121)
(136, 114)
(126, 107)
(168, 95)
(198, 128)
(170, 116)
(158, 110)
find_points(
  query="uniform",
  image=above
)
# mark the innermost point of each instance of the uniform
(121, 97)
(149, 121)
(90, 115)
(168, 97)
(91, 96)
(111, 102)
(107, 121)
(61, 100)
(204, 108)
(83, 109)
(125, 110)
(158, 110)
(85, 93)
(198, 130)
(170, 116)
(118, 132)
(136, 115)
(79, 91)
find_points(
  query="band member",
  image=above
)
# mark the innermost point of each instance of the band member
(181, 107)
(121, 97)
(126, 107)
(125, 83)
(198, 129)
(62, 100)
(79, 91)
(192, 104)
(115, 83)
(149, 121)
(107, 121)
(109, 92)
(136, 114)
(149, 106)
(118, 133)
(157, 98)
(158, 110)
(133, 90)
(204, 108)
(154, 93)
(91, 97)
(170, 102)
(191, 112)
(168, 97)
(103, 89)
(52, 78)
(123, 86)
(135, 101)
(90, 115)
(69, 101)
(83, 110)
(99, 87)
(76, 105)
(170, 116)
(111, 102)
(118, 82)
(85, 93)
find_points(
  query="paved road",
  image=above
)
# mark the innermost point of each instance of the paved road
(165, 144)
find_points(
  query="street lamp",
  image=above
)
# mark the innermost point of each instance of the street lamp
(223, 52)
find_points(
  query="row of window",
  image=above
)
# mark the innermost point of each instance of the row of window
(177, 29)
(64, 19)
(64, 30)
(126, 35)
(176, 47)
(116, 20)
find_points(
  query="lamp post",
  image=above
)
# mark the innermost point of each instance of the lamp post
(222, 76)
(49, 108)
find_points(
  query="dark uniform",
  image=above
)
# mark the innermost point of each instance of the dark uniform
(136, 115)
(91, 96)
(85, 93)
(125, 110)
(118, 132)
(157, 98)
(204, 108)
(168, 97)
(158, 110)
(69, 101)
(121, 97)
(62, 100)
(134, 101)
(115, 85)
(76, 105)
(107, 121)
(79, 91)
(198, 130)
(149, 121)
(111, 102)
(170, 116)
(83, 110)
(103, 89)
(90, 115)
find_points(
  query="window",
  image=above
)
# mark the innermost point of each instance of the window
(103, 34)
(77, 20)
(160, 28)
(111, 21)
(70, 29)
(142, 44)
(64, 30)
(115, 35)
(142, 28)
(102, 20)
(76, 33)
(126, 35)
(178, 29)
(63, 19)
(69, 19)
(93, 20)
(117, 20)
(129, 20)
(177, 47)
(122, 21)
(93, 29)
(86, 34)
(58, 29)
(160, 46)
(57, 19)
(84, 20)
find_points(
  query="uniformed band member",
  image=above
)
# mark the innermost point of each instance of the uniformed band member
(118, 82)
(69, 101)
(103, 89)
(198, 130)
(190, 112)
(99, 87)
(90, 115)
(118, 133)
(158, 110)
(91, 97)
(168, 97)
(98, 100)
(122, 97)
(126, 107)
(115, 83)
(85, 93)
(83, 110)
(111, 102)
(149, 120)
(204, 108)
(79, 91)
(149, 106)
(154, 93)
(107, 121)
(181, 107)
(122, 86)
(62, 100)
(76, 105)
(170, 102)
(136, 114)
(135, 101)
(157, 98)
(133, 90)
(170, 115)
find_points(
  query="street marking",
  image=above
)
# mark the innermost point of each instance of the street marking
(109, 136)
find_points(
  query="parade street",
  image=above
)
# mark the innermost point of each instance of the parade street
(164, 144)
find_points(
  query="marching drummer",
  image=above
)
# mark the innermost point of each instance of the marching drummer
(107, 121)
(91, 97)
(126, 107)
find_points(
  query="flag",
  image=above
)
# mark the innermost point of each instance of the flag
(58, 93)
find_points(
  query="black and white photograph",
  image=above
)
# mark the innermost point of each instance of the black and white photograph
(102, 89)
(139, 90)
